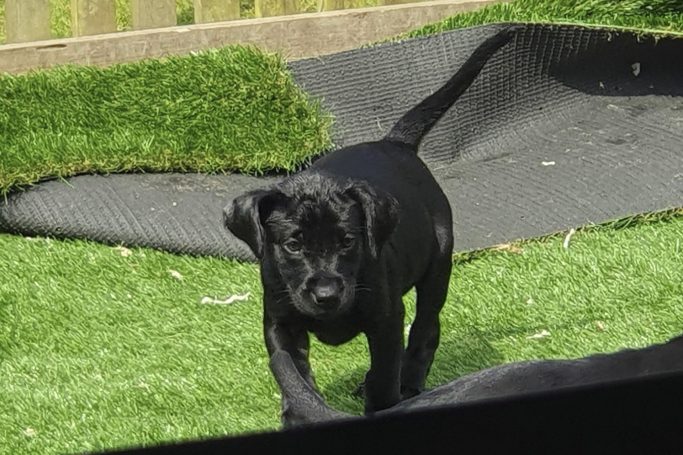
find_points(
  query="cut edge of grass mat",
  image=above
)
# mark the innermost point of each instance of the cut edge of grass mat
(517, 246)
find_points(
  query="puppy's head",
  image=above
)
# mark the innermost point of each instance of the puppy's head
(315, 235)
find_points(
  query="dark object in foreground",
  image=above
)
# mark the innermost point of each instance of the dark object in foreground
(303, 405)
(340, 243)
(637, 416)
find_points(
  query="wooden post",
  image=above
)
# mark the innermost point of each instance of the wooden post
(153, 14)
(267, 8)
(27, 20)
(92, 17)
(330, 5)
(216, 10)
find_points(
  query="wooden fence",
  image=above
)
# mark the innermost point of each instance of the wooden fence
(29, 20)
(278, 26)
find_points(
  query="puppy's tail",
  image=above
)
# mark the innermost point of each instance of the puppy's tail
(417, 122)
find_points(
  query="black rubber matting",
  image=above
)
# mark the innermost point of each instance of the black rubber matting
(566, 126)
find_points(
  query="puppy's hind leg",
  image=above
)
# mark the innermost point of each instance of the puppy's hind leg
(425, 330)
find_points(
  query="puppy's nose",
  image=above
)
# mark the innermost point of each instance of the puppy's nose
(326, 291)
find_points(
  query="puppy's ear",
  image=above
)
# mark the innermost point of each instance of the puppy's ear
(244, 216)
(381, 213)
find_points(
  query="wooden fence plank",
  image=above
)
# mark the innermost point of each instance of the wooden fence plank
(299, 36)
(397, 2)
(92, 17)
(330, 5)
(268, 8)
(27, 20)
(153, 14)
(216, 10)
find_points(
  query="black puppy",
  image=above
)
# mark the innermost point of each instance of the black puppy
(340, 243)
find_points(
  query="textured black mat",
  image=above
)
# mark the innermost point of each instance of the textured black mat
(565, 126)
(181, 213)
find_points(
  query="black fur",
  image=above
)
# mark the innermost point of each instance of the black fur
(340, 243)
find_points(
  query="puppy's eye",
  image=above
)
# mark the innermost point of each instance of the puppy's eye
(292, 246)
(348, 241)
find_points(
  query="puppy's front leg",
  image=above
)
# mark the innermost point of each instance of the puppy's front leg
(382, 382)
(292, 340)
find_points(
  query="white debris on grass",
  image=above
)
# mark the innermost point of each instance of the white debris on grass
(123, 251)
(175, 274)
(567, 238)
(229, 300)
(548, 163)
(508, 247)
(542, 334)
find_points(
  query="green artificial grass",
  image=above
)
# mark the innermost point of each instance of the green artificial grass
(100, 348)
(233, 108)
(651, 15)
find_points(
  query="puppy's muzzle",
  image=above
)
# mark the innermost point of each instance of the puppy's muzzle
(325, 292)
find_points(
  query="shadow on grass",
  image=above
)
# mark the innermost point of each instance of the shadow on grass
(341, 394)
(459, 354)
